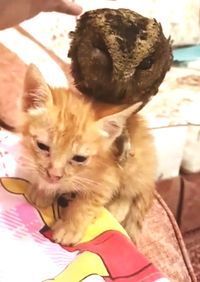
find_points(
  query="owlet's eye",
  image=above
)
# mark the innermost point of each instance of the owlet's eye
(43, 146)
(79, 159)
(146, 64)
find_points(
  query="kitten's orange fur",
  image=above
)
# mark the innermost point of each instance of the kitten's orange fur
(72, 125)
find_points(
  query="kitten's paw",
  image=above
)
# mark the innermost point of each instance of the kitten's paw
(39, 197)
(66, 233)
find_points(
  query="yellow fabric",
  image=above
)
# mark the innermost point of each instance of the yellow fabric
(86, 263)
(104, 222)
(81, 268)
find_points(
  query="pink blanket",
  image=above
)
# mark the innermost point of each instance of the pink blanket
(105, 253)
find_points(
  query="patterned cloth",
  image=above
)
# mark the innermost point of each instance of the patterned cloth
(105, 253)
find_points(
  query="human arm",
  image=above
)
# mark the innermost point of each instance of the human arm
(14, 12)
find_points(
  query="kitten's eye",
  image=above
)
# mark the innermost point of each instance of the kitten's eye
(42, 146)
(79, 159)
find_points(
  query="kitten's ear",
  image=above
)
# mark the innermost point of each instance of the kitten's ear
(37, 93)
(111, 126)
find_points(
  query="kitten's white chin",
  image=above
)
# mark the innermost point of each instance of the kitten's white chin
(46, 183)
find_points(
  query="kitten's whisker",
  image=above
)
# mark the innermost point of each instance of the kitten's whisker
(88, 181)
(74, 187)
(76, 181)
(81, 185)
(30, 167)
(96, 183)
(27, 162)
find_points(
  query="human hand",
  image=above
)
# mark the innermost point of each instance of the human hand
(15, 11)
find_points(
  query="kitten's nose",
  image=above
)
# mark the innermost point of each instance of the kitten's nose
(54, 174)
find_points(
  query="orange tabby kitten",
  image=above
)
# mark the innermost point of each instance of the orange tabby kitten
(71, 147)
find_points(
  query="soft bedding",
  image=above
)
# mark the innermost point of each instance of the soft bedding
(27, 252)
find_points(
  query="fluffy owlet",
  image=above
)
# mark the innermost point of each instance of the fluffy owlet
(119, 56)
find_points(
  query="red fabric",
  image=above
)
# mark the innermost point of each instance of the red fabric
(122, 260)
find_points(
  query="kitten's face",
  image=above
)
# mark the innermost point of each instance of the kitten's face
(65, 146)
(68, 147)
